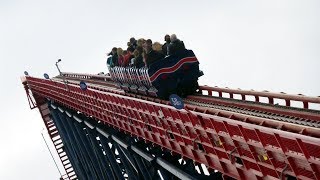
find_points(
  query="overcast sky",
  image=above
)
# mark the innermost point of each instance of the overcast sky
(263, 45)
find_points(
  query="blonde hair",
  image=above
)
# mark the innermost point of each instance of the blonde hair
(119, 51)
(144, 56)
(157, 46)
(140, 42)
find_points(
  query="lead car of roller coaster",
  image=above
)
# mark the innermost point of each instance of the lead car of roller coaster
(175, 73)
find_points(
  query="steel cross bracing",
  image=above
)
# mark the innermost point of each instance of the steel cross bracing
(238, 149)
(56, 139)
(98, 152)
(41, 103)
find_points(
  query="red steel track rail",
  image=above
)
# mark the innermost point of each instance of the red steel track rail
(237, 148)
(260, 99)
(302, 115)
(258, 95)
(286, 108)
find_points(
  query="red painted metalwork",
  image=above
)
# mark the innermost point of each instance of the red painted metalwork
(259, 107)
(305, 100)
(239, 146)
(41, 104)
(286, 99)
(206, 99)
(31, 101)
(86, 76)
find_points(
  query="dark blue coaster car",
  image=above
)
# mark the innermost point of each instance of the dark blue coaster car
(175, 74)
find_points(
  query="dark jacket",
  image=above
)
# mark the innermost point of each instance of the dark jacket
(138, 62)
(115, 60)
(109, 61)
(176, 47)
(165, 48)
(153, 56)
(134, 45)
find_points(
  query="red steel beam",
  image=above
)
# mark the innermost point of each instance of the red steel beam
(40, 103)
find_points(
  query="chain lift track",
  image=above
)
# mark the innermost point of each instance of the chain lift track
(241, 139)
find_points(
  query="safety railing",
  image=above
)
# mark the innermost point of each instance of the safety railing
(104, 77)
(262, 97)
(131, 75)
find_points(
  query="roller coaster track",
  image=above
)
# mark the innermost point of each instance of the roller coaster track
(241, 138)
(303, 118)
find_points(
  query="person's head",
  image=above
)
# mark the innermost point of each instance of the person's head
(113, 51)
(119, 51)
(128, 44)
(140, 42)
(173, 38)
(167, 38)
(157, 46)
(130, 50)
(148, 45)
(149, 42)
(125, 52)
(132, 40)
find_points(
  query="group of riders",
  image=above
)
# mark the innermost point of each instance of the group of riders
(142, 53)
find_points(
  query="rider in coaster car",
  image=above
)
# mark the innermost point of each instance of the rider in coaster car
(113, 61)
(120, 56)
(165, 45)
(132, 43)
(138, 59)
(140, 42)
(157, 47)
(151, 55)
(127, 56)
(175, 45)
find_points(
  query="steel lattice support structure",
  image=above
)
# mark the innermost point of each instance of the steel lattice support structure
(97, 152)
(144, 131)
